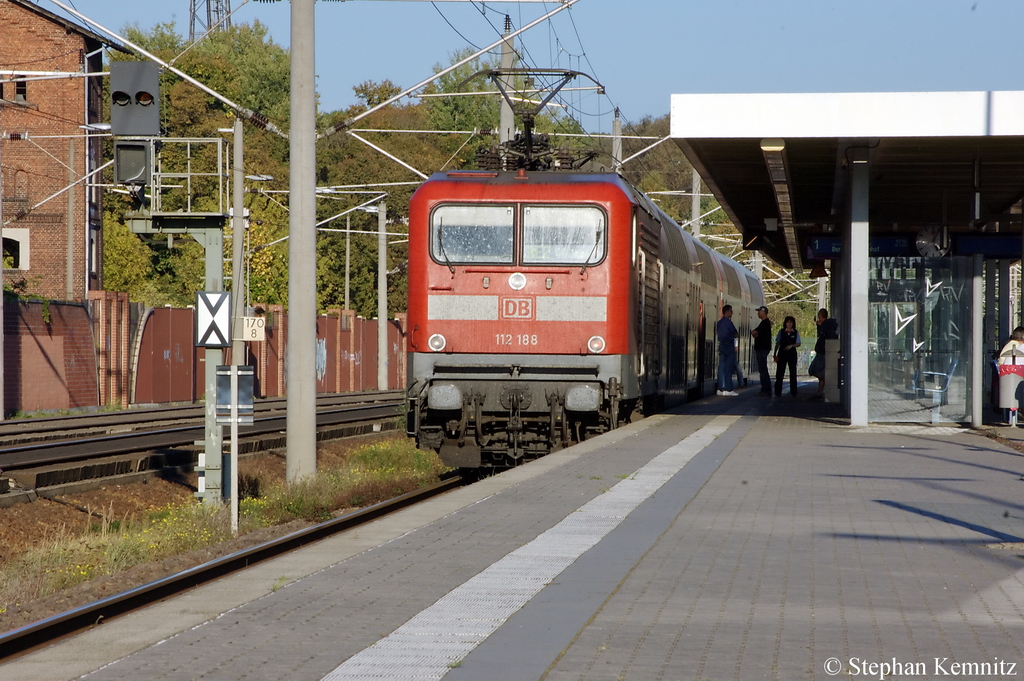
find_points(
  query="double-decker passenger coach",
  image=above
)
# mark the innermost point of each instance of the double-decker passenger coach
(546, 307)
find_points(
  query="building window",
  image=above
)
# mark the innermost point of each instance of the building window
(16, 250)
(20, 90)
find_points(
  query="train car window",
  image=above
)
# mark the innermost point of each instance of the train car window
(566, 235)
(472, 234)
(676, 247)
(707, 270)
(732, 279)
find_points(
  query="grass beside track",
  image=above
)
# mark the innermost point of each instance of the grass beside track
(361, 476)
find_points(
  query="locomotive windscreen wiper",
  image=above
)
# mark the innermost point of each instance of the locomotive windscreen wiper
(597, 242)
(440, 245)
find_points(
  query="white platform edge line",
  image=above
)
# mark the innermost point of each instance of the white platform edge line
(427, 645)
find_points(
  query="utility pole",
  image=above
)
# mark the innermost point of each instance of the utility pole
(507, 121)
(382, 297)
(301, 357)
(348, 253)
(213, 490)
(617, 142)
(230, 477)
(69, 264)
(2, 281)
(695, 205)
(237, 246)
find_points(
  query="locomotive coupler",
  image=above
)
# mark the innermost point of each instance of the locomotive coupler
(556, 412)
(614, 395)
(477, 404)
(458, 428)
(515, 422)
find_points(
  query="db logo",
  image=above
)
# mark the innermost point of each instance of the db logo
(517, 308)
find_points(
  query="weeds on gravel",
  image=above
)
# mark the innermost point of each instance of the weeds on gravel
(372, 474)
(110, 547)
(365, 476)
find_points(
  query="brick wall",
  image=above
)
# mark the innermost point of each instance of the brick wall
(49, 356)
(52, 150)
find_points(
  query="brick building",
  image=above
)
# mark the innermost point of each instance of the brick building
(55, 247)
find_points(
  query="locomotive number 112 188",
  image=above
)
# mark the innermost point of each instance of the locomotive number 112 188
(515, 339)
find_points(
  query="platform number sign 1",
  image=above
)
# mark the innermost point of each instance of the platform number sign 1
(254, 329)
(213, 319)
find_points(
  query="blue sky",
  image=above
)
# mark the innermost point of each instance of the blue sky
(643, 51)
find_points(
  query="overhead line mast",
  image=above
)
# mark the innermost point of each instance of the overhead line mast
(207, 15)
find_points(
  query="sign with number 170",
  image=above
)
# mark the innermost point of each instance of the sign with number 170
(254, 329)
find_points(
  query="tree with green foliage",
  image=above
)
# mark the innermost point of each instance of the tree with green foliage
(246, 66)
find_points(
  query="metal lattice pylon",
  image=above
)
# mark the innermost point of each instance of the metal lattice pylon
(207, 15)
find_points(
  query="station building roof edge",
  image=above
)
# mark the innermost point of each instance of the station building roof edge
(848, 114)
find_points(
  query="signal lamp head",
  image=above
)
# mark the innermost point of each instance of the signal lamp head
(143, 98)
(595, 344)
(120, 98)
(437, 342)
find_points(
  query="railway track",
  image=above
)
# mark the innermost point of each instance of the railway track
(61, 440)
(25, 431)
(44, 632)
(45, 452)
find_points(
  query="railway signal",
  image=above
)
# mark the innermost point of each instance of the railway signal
(135, 99)
(134, 113)
(213, 319)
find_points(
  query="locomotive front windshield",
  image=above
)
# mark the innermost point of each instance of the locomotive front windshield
(473, 234)
(567, 235)
(550, 235)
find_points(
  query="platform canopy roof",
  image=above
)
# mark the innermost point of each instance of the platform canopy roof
(953, 159)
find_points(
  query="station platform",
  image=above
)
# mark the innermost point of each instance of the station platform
(732, 538)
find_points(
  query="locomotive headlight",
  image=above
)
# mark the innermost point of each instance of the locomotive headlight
(437, 342)
(517, 282)
(595, 344)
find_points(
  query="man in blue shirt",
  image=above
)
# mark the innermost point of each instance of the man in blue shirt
(727, 335)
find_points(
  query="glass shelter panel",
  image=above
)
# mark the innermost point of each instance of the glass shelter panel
(472, 234)
(919, 339)
(566, 235)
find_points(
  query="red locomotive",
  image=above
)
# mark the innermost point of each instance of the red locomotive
(546, 307)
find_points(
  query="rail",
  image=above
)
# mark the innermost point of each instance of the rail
(44, 632)
(51, 452)
(51, 424)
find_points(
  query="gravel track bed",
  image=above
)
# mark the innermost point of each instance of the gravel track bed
(24, 526)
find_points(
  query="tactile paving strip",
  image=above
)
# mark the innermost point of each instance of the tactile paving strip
(439, 637)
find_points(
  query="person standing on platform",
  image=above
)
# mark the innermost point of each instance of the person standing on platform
(762, 348)
(1011, 374)
(786, 344)
(727, 334)
(827, 329)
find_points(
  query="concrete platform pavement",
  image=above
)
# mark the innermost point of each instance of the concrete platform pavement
(736, 538)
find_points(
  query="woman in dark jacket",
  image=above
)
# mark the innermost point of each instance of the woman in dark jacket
(786, 344)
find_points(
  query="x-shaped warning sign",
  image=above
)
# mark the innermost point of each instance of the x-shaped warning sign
(213, 319)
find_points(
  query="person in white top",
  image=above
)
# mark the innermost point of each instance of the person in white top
(1011, 374)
